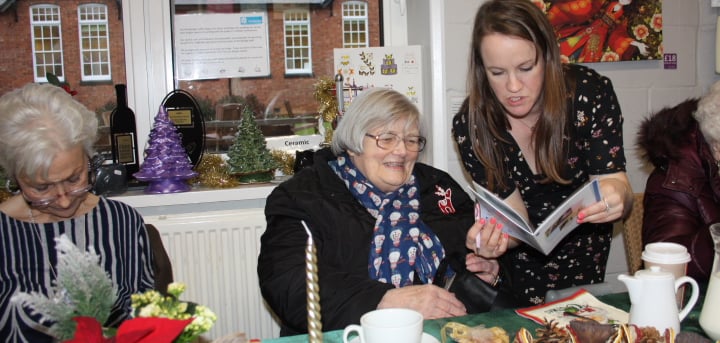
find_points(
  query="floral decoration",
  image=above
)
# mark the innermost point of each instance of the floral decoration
(153, 304)
(137, 330)
(82, 289)
(82, 297)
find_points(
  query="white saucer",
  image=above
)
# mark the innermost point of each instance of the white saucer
(426, 338)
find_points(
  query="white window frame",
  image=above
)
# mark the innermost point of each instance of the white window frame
(294, 24)
(91, 17)
(355, 14)
(146, 25)
(53, 23)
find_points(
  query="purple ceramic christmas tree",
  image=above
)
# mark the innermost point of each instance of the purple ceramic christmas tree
(166, 166)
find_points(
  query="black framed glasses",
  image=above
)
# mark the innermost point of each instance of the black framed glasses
(390, 140)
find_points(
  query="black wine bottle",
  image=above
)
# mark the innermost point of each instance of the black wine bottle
(124, 133)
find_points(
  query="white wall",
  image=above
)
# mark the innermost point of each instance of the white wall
(642, 86)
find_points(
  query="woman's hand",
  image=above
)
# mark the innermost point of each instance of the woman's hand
(486, 238)
(485, 269)
(430, 300)
(616, 202)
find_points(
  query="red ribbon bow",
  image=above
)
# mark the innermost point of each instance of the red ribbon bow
(136, 330)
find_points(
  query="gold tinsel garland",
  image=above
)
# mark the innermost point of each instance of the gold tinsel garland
(325, 94)
(285, 161)
(213, 172)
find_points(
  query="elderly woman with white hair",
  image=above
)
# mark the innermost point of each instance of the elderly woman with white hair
(46, 142)
(682, 192)
(381, 222)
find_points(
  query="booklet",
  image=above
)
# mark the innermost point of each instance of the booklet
(551, 231)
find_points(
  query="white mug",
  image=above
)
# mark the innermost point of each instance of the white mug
(391, 325)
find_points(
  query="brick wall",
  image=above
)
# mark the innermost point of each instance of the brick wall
(16, 60)
(274, 90)
(326, 24)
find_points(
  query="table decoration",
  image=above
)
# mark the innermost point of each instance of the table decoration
(81, 289)
(167, 166)
(83, 294)
(213, 173)
(314, 317)
(249, 159)
(577, 331)
(153, 304)
(139, 330)
(325, 93)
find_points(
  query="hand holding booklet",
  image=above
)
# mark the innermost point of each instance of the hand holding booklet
(552, 230)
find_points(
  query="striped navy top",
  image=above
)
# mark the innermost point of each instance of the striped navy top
(116, 232)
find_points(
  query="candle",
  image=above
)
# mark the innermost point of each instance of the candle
(313, 290)
(340, 97)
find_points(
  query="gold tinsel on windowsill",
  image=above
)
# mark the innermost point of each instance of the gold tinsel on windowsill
(325, 94)
(213, 173)
(285, 161)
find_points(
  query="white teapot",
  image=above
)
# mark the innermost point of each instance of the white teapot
(652, 298)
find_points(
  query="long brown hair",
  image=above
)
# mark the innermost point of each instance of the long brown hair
(523, 19)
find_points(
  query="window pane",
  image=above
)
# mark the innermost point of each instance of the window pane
(287, 92)
(92, 20)
(355, 24)
(47, 41)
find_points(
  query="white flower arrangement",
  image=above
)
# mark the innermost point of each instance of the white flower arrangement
(154, 304)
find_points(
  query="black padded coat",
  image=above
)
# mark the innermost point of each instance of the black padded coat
(342, 232)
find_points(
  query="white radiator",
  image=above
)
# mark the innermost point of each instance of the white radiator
(215, 255)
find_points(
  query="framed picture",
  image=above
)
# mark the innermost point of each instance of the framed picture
(591, 31)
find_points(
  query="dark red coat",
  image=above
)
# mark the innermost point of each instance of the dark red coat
(682, 195)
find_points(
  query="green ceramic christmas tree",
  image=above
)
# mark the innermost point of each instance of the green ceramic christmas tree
(249, 158)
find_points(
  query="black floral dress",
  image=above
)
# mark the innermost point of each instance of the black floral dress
(596, 147)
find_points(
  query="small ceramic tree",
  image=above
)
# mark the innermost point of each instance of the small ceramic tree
(166, 166)
(248, 157)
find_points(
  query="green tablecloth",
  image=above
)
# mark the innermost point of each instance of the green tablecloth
(506, 319)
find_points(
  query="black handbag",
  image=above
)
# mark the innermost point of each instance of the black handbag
(477, 295)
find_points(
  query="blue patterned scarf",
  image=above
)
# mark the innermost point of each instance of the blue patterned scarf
(402, 244)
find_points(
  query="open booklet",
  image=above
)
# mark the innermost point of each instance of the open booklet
(551, 231)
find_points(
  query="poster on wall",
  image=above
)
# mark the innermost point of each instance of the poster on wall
(606, 31)
(395, 67)
(213, 46)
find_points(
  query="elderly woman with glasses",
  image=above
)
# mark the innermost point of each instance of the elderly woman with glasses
(46, 138)
(380, 220)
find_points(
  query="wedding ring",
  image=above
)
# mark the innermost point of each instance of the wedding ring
(496, 281)
(607, 206)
